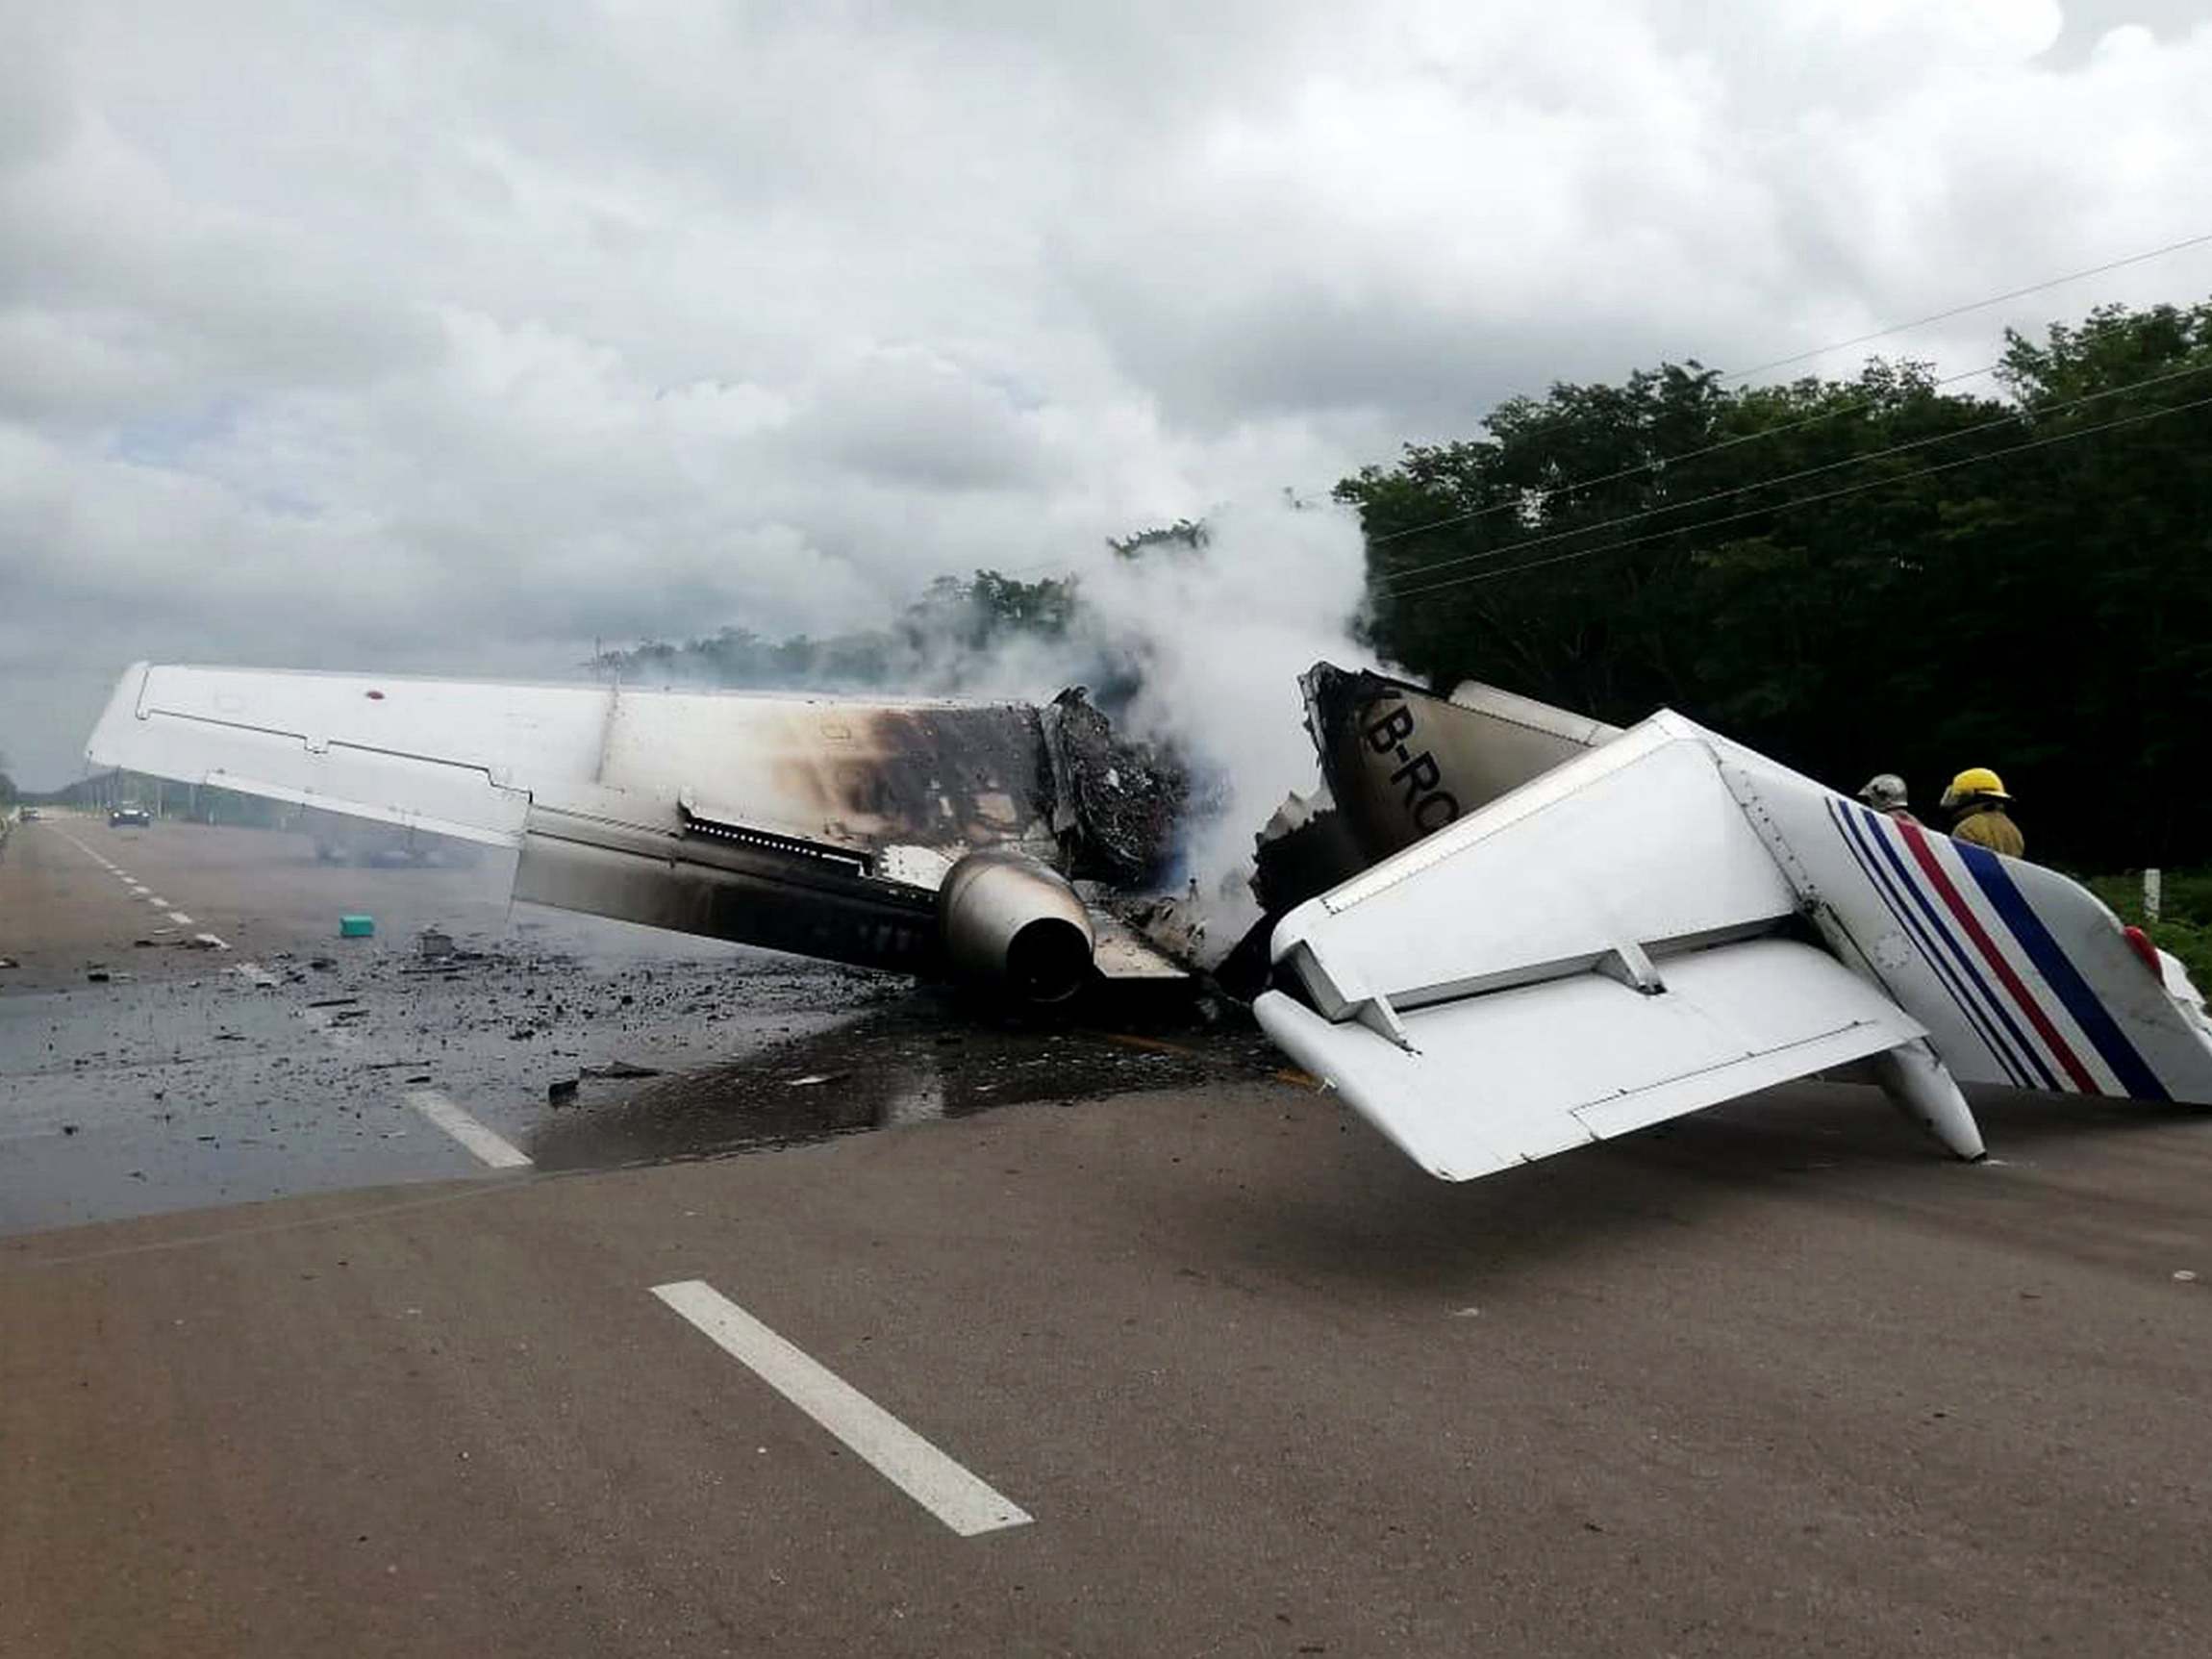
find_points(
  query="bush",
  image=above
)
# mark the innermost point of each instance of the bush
(2184, 925)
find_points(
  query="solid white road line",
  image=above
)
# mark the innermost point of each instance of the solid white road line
(180, 918)
(898, 1454)
(466, 1130)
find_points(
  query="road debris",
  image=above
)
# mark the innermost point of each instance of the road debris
(357, 926)
(618, 1070)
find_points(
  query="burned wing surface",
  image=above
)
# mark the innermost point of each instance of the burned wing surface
(819, 825)
(1663, 920)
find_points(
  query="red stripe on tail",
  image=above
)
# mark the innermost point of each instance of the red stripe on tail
(1915, 838)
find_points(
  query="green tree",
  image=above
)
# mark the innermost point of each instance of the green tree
(1853, 575)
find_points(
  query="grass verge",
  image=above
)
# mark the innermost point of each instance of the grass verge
(2184, 925)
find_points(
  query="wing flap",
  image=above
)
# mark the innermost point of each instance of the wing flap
(1514, 1075)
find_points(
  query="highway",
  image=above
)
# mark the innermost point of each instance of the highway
(828, 1318)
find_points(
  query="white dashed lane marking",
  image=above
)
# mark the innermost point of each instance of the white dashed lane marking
(901, 1456)
(487, 1146)
(500, 1154)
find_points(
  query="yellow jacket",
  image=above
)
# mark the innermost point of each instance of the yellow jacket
(1989, 825)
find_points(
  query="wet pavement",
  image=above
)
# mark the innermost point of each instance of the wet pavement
(141, 1072)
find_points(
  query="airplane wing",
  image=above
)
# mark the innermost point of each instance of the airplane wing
(472, 758)
(1492, 1081)
(1605, 947)
(1632, 925)
(821, 825)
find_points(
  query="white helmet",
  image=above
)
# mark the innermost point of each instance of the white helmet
(1884, 792)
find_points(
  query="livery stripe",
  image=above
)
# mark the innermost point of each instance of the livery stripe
(1916, 839)
(1961, 952)
(1859, 838)
(1936, 945)
(2059, 972)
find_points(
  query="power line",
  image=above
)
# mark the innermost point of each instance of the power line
(1537, 497)
(1971, 306)
(2114, 424)
(1805, 356)
(1707, 500)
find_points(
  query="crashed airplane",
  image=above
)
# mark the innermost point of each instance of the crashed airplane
(1500, 931)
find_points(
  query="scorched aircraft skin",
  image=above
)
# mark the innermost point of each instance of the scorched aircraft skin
(824, 826)
(1503, 930)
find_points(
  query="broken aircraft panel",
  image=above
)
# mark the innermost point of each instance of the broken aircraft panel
(1500, 931)
(1610, 928)
(1402, 763)
(821, 825)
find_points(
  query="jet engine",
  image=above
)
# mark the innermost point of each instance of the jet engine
(1011, 922)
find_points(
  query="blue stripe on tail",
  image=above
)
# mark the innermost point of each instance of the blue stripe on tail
(2059, 972)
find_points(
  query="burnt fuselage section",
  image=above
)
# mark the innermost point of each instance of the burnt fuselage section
(827, 827)
(1400, 762)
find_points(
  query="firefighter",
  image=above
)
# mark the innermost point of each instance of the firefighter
(1976, 800)
(1885, 792)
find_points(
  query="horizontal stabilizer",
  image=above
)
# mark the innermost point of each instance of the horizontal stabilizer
(1484, 1083)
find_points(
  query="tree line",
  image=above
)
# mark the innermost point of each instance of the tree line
(1882, 573)
(935, 643)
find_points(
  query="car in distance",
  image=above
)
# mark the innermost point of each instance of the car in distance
(128, 814)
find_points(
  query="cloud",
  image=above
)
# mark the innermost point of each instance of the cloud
(438, 337)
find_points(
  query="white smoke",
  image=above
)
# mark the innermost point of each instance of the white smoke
(1219, 634)
(1212, 633)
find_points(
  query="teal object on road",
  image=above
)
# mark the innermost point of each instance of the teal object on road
(357, 927)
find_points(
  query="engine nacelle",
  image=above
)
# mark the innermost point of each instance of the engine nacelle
(1010, 921)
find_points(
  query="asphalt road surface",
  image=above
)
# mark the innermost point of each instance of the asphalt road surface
(862, 1326)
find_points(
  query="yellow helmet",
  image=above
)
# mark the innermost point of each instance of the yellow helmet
(1974, 781)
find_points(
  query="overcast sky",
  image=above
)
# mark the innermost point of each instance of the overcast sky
(450, 335)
